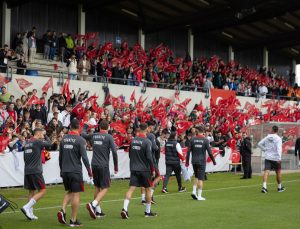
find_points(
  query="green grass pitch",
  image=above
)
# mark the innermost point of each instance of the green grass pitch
(230, 203)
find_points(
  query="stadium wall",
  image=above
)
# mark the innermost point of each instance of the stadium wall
(111, 28)
(207, 47)
(53, 16)
(176, 39)
(117, 90)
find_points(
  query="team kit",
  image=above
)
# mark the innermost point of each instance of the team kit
(144, 171)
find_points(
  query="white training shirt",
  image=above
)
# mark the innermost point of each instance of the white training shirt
(272, 146)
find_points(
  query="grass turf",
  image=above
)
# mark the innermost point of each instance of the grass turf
(231, 203)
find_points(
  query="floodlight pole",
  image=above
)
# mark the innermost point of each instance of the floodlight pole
(230, 53)
(191, 43)
(266, 58)
(81, 20)
(141, 38)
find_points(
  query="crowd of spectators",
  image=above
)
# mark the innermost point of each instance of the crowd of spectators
(156, 67)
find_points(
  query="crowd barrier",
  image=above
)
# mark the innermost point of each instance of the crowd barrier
(12, 167)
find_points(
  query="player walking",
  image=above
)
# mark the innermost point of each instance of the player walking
(199, 145)
(141, 167)
(272, 146)
(33, 171)
(72, 149)
(102, 144)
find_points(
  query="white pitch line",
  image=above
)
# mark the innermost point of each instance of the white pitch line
(164, 195)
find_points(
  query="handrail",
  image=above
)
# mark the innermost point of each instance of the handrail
(144, 83)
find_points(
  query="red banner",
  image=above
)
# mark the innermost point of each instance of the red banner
(217, 94)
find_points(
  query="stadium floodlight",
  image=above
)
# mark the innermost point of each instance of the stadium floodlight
(130, 12)
(227, 34)
(289, 25)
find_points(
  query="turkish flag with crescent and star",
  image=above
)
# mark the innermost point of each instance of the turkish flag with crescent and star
(23, 83)
(217, 94)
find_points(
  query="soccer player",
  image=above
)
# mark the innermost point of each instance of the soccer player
(102, 144)
(72, 149)
(173, 152)
(141, 167)
(34, 179)
(272, 146)
(154, 148)
(297, 149)
(199, 145)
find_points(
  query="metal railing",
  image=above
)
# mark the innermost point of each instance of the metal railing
(143, 84)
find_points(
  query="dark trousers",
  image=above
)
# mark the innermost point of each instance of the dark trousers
(169, 169)
(246, 162)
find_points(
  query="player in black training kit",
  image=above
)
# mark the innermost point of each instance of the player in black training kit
(102, 144)
(199, 145)
(154, 148)
(33, 171)
(72, 149)
(141, 169)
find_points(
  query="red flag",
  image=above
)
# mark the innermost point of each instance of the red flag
(4, 140)
(176, 95)
(48, 85)
(138, 72)
(3, 80)
(119, 126)
(217, 94)
(33, 100)
(79, 110)
(200, 107)
(186, 102)
(132, 97)
(66, 90)
(23, 83)
(235, 156)
(183, 126)
(154, 103)
(107, 100)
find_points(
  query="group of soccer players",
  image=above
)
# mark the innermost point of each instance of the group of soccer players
(143, 167)
(144, 170)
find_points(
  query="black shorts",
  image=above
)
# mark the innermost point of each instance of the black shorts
(34, 182)
(272, 165)
(140, 179)
(199, 171)
(73, 182)
(101, 177)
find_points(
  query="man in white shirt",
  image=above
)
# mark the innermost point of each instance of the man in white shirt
(263, 91)
(72, 67)
(66, 116)
(272, 147)
(51, 114)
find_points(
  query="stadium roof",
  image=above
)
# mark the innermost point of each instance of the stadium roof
(243, 23)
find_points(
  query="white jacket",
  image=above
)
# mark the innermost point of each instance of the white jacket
(272, 146)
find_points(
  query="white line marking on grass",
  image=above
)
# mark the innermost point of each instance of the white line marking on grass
(165, 195)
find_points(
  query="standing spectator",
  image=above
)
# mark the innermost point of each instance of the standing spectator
(263, 91)
(39, 113)
(19, 50)
(47, 39)
(5, 96)
(72, 67)
(32, 47)
(66, 116)
(51, 114)
(62, 46)
(11, 112)
(4, 56)
(17, 40)
(25, 46)
(53, 45)
(246, 152)
(3, 115)
(207, 85)
(100, 69)
(70, 44)
(297, 149)
(84, 67)
(117, 74)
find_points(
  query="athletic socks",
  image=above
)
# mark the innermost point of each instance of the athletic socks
(30, 204)
(199, 193)
(148, 208)
(265, 185)
(194, 189)
(143, 197)
(98, 209)
(279, 185)
(95, 203)
(152, 191)
(126, 203)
